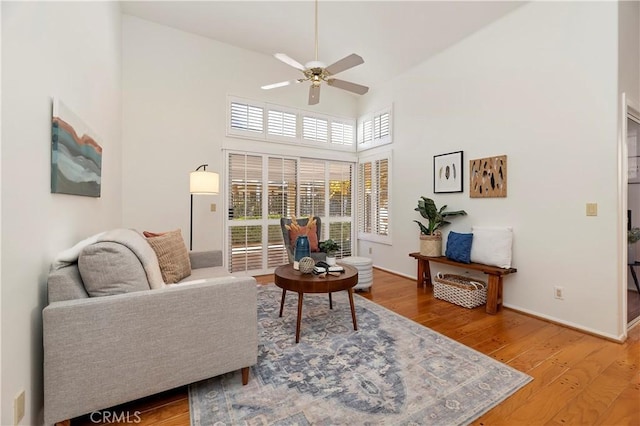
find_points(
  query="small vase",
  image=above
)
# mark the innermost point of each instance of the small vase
(302, 249)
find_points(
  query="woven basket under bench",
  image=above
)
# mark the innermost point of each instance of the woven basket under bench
(460, 290)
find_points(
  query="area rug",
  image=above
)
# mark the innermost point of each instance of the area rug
(391, 371)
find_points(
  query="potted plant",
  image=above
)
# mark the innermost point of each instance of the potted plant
(633, 236)
(329, 247)
(430, 236)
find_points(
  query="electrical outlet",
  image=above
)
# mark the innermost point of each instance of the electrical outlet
(592, 209)
(370, 250)
(213, 207)
(18, 408)
(558, 292)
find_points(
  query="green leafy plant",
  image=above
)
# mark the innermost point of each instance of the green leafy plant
(329, 246)
(633, 235)
(436, 217)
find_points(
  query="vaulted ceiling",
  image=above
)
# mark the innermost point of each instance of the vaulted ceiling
(391, 36)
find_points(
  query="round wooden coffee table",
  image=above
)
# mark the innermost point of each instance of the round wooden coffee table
(289, 279)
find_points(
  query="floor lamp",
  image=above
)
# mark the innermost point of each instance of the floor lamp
(201, 182)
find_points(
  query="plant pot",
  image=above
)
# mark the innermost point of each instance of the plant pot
(431, 245)
(631, 253)
(331, 260)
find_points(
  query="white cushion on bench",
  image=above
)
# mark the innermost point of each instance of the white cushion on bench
(492, 245)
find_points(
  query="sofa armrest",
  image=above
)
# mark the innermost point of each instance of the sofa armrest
(103, 351)
(205, 259)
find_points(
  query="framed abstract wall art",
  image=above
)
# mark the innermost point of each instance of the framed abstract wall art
(76, 156)
(447, 172)
(488, 177)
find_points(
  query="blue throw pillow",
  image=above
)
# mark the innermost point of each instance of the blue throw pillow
(459, 247)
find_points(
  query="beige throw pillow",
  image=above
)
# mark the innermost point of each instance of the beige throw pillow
(173, 256)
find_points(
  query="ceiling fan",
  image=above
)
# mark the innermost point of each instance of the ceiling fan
(316, 72)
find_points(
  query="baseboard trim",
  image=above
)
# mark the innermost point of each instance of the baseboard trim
(595, 333)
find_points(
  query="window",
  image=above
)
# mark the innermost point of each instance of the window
(374, 129)
(246, 118)
(374, 198)
(275, 123)
(281, 123)
(315, 129)
(342, 133)
(263, 188)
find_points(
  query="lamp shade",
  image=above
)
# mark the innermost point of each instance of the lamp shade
(203, 182)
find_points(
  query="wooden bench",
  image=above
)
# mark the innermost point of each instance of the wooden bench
(494, 287)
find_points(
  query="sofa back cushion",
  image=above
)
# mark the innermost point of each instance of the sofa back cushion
(109, 268)
(65, 283)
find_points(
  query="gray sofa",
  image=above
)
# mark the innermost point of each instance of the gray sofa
(103, 351)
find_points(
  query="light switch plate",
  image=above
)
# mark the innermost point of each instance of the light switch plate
(592, 209)
(213, 207)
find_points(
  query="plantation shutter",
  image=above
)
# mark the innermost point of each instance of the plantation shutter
(245, 201)
(341, 133)
(312, 187)
(281, 123)
(374, 198)
(365, 197)
(340, 178)
(282, 194)
(315, 129)
(381, 126)
(382, 197)
(247, 117)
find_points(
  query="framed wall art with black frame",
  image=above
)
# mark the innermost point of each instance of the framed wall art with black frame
(448, 173)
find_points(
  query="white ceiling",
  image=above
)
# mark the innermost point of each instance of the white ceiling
(391, 36)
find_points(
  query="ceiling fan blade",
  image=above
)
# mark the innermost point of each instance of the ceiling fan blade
(276, 85)
(314, 94)
(344, 64)
(347, 85)
(291, 62)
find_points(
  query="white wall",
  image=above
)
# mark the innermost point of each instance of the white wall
(70, 50)
(629, 49)
(174, 111)
(539, 85)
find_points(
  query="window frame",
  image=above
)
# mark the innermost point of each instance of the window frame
(369, 120)
(265, 221)
(299, 139)
(374, 236)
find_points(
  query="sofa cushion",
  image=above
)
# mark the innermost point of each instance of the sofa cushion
(109, 268)
(173, 256)
(140, 248)
(206, 274)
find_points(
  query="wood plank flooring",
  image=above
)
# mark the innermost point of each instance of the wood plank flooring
(579, 379)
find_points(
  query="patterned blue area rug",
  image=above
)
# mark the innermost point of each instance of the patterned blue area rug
(391, 371)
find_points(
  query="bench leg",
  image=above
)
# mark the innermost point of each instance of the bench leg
(494, 294)
(424, 273)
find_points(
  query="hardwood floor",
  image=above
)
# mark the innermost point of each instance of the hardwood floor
(579, 379)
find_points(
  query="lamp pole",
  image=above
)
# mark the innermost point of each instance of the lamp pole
(204, 168)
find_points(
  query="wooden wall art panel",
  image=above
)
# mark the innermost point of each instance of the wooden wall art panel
(488, 177)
